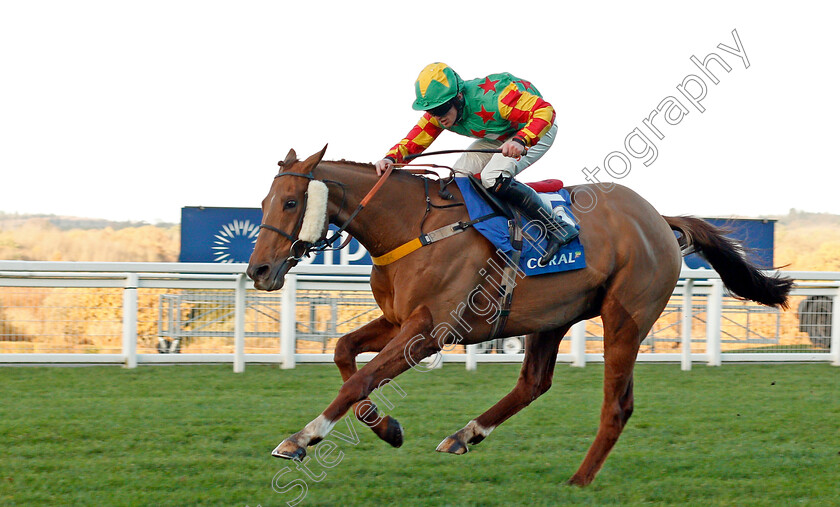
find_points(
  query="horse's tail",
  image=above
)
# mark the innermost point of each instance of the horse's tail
(743, 279)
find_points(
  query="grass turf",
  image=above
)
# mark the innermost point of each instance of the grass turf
(187, 435)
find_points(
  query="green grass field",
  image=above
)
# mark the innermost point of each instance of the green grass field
(186, 435)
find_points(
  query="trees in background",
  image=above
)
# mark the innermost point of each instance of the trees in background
(38, 239)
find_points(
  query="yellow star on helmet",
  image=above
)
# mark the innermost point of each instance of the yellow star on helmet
(432, 72)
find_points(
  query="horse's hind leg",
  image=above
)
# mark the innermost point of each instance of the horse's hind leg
(622, 337)
(534, 380)
(372, 337)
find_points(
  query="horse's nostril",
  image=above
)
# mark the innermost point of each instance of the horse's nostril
(260, 272)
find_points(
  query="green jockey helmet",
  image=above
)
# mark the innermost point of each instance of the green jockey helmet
(436, 84)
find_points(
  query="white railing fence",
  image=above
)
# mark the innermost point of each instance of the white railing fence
(153, 313)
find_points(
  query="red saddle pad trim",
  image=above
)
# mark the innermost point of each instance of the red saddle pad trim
(546, 185)
(543, 186)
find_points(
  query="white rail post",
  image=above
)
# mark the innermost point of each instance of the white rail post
(579, 344)
(687, 317)
(713, 319)
(471, 363)
(287, 322)
(835, 329)
(129, 330)
(239, 326)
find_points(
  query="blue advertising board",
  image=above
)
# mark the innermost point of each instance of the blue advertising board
(756, 235)
(227, 235)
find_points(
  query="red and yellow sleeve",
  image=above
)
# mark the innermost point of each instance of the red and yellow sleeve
(417, 140)
(522, 107)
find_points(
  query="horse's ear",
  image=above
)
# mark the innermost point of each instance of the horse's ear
(312, 161)
(291, 158)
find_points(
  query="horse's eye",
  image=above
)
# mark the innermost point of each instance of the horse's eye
(291, 203)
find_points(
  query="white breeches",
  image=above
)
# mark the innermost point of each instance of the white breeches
(495, 165)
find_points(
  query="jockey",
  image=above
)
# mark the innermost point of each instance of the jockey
(501, 111)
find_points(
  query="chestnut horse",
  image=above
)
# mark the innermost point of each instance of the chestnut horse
(633, 263)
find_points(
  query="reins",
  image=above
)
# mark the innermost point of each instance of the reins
(325, 243)
(449, 152)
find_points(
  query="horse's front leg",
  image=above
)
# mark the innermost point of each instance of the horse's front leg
(534, 380)
(412, 343)
(372, 337)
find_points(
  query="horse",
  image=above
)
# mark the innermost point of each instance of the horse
(633, 261)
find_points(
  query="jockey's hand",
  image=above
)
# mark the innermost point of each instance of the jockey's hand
(512, 149)
(383, 165)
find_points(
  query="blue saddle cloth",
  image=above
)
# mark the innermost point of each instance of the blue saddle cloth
(569, 257)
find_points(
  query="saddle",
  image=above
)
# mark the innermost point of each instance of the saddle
(499, 206)
(504, 208)
(493, 219)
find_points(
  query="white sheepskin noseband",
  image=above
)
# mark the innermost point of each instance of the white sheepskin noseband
(315, 215)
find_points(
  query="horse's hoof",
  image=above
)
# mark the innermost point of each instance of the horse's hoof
(578, 481)
(393, 433)
(289, 450)
(452, 446)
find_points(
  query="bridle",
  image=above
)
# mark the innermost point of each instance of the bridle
(296, 230)
(325, 243)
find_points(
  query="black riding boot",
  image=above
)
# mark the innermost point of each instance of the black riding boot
(529, 203)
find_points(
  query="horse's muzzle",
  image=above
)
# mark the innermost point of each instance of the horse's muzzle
(269, 277)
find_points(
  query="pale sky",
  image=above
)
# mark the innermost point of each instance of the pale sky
(131, 110)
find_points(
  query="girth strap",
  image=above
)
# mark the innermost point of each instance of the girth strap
(427, 239)
(508, 281)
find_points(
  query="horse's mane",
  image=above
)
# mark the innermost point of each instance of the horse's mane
(370, 167)
(364, 165)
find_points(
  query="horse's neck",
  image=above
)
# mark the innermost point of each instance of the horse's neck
(389, 219)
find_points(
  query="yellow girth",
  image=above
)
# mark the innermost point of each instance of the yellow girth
(397, 253)
(426, 239)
